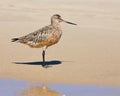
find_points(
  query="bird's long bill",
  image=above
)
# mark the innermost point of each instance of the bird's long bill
(68, 22)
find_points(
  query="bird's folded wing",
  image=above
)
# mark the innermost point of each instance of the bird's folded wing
(37, 36)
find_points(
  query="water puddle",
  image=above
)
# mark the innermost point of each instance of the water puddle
(11, 87)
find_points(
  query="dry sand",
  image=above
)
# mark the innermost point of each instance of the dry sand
(89, 52)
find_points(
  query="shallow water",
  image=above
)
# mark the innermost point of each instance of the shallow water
(10, 87)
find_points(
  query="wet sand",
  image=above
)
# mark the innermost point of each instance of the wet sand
(86, 54)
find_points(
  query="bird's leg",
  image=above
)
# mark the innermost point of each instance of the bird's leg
(43, 55)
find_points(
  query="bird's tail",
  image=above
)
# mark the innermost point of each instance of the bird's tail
(15, 39)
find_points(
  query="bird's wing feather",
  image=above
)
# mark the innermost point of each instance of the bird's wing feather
(37, 36)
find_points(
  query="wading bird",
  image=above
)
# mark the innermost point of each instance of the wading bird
(44, 37)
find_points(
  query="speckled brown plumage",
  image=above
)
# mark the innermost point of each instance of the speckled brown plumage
(44, 37)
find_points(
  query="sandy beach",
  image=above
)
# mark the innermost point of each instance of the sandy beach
(89, 52)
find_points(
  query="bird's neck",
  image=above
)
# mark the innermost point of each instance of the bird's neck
(56, 25)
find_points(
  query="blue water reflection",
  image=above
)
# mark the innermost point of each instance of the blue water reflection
(10, 87)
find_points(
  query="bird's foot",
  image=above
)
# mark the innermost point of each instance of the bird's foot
(46, 66)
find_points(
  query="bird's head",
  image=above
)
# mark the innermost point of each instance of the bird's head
(57, 19)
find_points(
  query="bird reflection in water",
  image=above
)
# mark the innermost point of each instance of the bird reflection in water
(40, 91)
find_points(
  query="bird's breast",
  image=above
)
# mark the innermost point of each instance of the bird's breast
(52, 39)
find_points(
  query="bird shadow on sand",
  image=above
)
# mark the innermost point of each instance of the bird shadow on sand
(49, 63)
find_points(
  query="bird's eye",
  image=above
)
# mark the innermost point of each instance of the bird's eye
(58, 16)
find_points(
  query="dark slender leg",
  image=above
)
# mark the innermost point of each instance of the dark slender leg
(43, 55)
(43, 64)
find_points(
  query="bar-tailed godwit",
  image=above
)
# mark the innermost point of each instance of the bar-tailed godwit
(44, 37)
